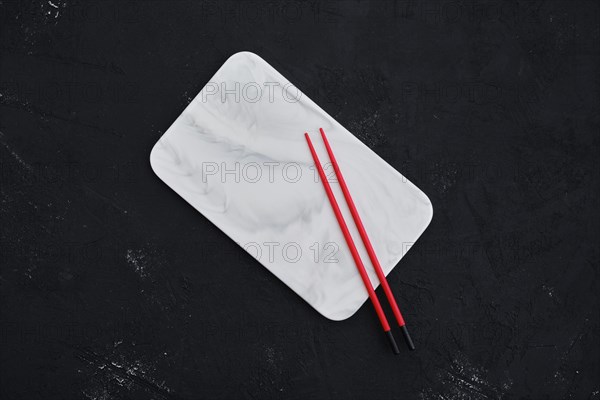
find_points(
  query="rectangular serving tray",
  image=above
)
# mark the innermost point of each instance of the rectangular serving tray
(237, 154)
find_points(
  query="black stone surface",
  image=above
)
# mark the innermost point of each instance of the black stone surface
(112, 287)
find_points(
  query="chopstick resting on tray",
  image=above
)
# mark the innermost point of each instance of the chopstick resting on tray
(365, 238)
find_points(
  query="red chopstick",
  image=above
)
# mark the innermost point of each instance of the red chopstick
(353, 250)
(367, 243)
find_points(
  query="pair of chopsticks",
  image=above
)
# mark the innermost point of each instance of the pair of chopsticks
(365, 238)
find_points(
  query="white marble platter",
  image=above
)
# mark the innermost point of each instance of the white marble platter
(238, 155)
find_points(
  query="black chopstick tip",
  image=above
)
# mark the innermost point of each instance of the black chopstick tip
(407, 338)
(392, 342)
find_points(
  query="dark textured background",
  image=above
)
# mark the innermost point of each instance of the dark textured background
(112, 287)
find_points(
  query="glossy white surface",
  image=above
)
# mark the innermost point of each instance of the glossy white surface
(242, 161)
